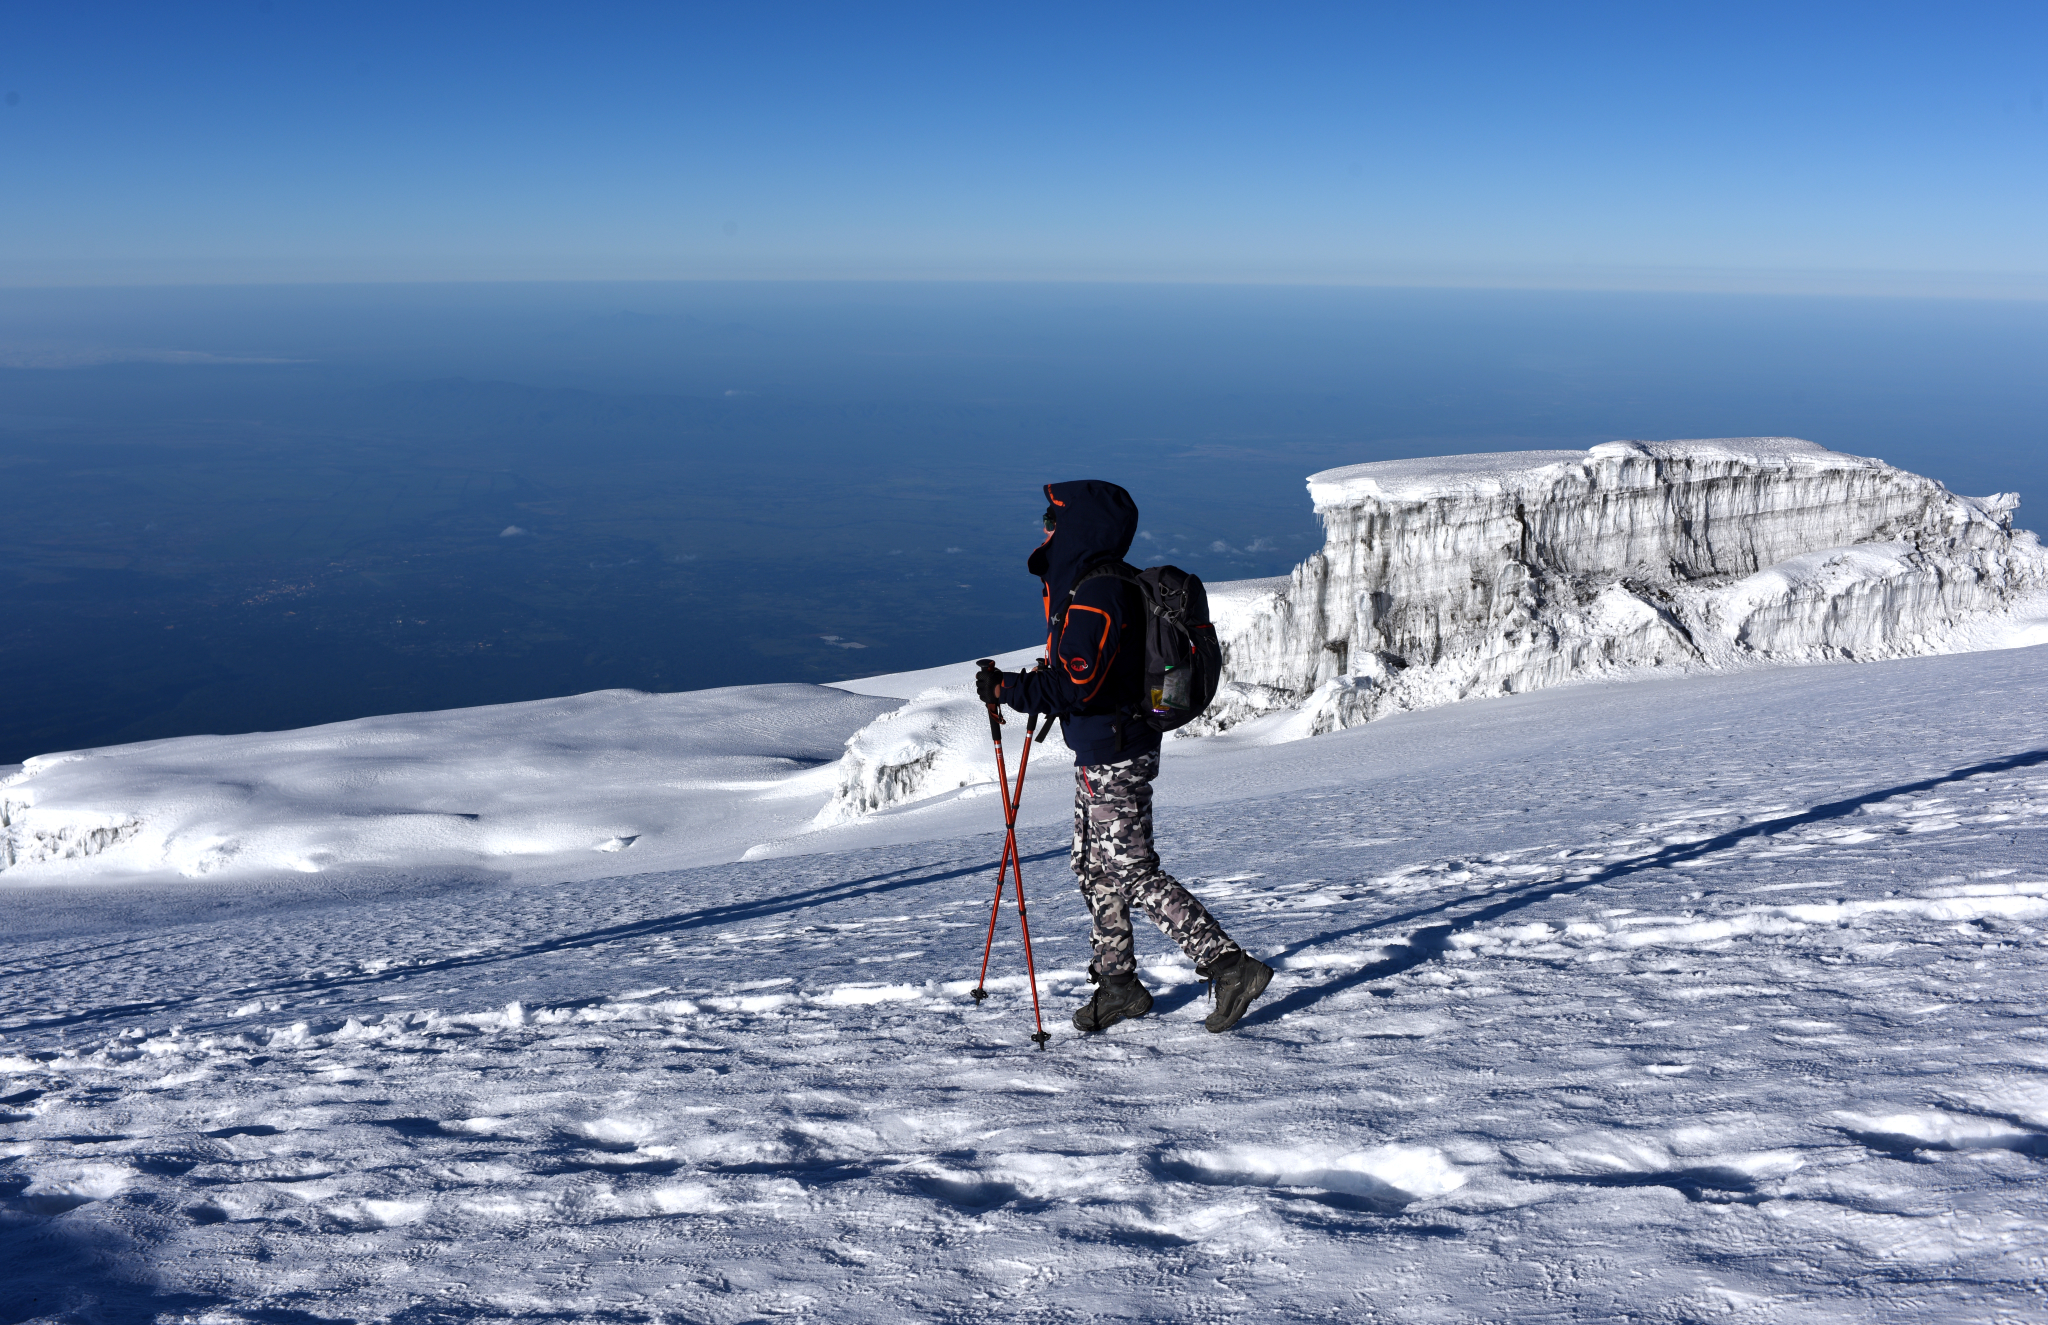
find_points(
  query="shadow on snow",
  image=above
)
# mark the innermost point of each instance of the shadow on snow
(1430, 942)
(874, 885)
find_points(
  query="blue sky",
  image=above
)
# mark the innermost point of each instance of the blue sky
(1854, 148)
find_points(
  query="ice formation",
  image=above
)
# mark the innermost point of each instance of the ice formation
(1470, 576)
(1463, 577)
(937, 742)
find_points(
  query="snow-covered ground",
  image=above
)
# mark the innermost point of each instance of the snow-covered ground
(1717, 997)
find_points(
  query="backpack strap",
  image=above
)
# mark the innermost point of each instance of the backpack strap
(1115, 569)
(1122, 570)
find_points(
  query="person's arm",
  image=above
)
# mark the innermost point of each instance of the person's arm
(1083, 655)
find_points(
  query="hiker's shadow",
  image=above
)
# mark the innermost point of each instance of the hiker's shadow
(845, 890)
(1175, 997)
(1430, 942)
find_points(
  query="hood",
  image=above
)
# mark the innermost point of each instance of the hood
(1097, 522)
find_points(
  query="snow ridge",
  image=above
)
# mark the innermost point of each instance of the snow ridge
(557, 786)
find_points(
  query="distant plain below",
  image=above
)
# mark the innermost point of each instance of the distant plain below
(250, 508)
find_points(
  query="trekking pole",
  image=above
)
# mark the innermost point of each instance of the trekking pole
(1010, 858)
(1017, 876)
(995, 732)
(1012, 861)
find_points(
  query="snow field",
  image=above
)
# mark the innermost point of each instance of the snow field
(1710, 998)
(553, 788)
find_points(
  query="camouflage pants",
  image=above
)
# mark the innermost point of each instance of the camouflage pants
(1118, 868)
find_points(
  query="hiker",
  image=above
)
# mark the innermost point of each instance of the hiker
(1093, 679)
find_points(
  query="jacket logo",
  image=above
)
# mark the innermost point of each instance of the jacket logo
(1077, 666)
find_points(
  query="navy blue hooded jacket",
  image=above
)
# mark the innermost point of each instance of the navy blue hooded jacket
(1095, 647)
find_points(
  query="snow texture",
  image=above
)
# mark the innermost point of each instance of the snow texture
(1706, 997)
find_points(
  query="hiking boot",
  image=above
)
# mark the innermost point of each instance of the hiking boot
(1118, 997)
(1235, 979)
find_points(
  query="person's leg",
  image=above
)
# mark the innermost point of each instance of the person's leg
(1090, 860)
(1122, 817)
(1120, 829)
(1118, 995)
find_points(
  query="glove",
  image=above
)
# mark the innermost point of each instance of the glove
(988, 684)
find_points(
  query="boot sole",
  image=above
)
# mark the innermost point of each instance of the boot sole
(1229, 1014)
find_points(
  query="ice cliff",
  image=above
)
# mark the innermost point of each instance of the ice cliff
(1468, 576)
(1462, 577)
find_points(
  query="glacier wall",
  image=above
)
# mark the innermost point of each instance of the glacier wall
(1466, 576)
